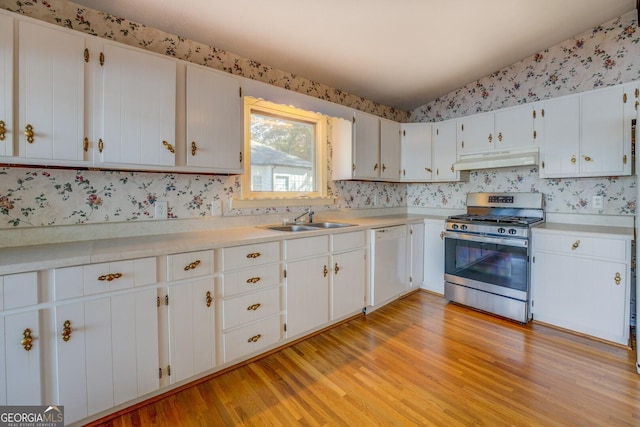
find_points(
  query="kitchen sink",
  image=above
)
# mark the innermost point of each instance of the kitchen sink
(329, 225)
(313, 226)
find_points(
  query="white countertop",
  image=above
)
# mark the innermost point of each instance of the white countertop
(53, 255)
(601, 230)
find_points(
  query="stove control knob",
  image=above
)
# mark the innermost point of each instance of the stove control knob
(501, 230)
(512, 231)
(463, 227)
(455, 226)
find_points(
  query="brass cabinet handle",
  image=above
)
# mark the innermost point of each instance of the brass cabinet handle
(253, 280)
(336, 269)
(109, 277)
(85, 144)
(253, 255)
(624, 159)
(100, 145)
(28, 132)
(3, 130)
(254, 307)
(86, 55)
(587, 158)
(452, 169)
(428, 170)
(499, 136)
(101, 58)
(384, 168)
(209, 299)
(26, 339)
(490, 138)
(192, 266)
(442, 235)
(325, 271)
(66, 331)
(194, 148)
(375, 167)
(535, 134)
(254, 338)
(169, 146)
(617, 278)
(575, 245)
(573, 160)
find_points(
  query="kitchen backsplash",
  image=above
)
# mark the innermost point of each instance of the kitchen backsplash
(35, 197)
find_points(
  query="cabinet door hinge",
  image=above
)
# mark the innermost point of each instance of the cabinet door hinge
(534, 114)
(285, 273)
(240, 91)
(86, 55)
(624, 98)
(159, 372)
(534, 259)
(158, 301)
(285, 327)
(353, 119)
(532, 303)
(241, 156)
(410, 279)
(168, 370)
(166, 299)
(102, 59)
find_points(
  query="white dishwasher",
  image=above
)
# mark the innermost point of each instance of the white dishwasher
(388, 271)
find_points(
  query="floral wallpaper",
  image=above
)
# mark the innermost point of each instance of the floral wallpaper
(35, 197)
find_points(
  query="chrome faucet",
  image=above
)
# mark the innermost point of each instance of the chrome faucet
(308, 212)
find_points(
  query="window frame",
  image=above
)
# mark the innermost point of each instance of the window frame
(320, 122)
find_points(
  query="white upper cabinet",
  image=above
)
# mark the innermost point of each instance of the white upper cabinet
(603, 146)
(444, 152)
(416, 152)
(6, 85)
(497, 130)
(51, 75)
(560, 134)
(366, 143)
(588, 134)
(137, 107)
(475, 133)
(341, 148)
(214, 120)
(389, 150)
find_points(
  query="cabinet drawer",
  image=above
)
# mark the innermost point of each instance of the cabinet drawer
(250, 279)
(582, 245)
(250, 255)
(248, 308)
(346, 241)
(251, 338)
(71, 282)
(307, 246)
(189, 264)
(18, 290)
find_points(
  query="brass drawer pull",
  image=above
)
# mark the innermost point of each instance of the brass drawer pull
(26, 339)
(209, 299)
(253, 280)
(253, 255)
(254, 338)
(254, 307)
(66, 331)
(109, 277)
(573, 160)
(169, 146)
(587, 158)
(192, 266)
(575, 245)
(617, 278)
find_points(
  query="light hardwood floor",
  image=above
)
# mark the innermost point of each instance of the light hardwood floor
(417, 361)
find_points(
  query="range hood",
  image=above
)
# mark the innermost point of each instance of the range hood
(497, 159)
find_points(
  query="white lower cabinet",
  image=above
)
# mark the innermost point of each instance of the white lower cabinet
(106, 352)
(349, 279)
(21, 340)
(251, 299)
(416, 255)
(434, 256)
(581, 282)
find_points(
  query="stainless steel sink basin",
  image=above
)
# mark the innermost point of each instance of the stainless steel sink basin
(289, 227)
(329, 224)
(314, 226)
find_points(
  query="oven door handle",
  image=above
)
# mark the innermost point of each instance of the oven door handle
(521, 243)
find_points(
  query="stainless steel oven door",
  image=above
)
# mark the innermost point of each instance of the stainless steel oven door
(491, 264)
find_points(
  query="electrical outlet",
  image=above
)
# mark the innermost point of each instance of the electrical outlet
(597, 202)
(161, 209)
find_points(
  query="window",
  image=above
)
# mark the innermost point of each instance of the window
(285, 152)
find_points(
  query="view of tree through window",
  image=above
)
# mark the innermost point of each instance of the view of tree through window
(282, 154)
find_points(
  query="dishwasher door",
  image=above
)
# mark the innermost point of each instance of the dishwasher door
(389, 266)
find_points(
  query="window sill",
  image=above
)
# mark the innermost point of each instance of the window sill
(269, 203)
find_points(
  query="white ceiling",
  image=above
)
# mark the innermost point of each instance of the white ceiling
(400, 53)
